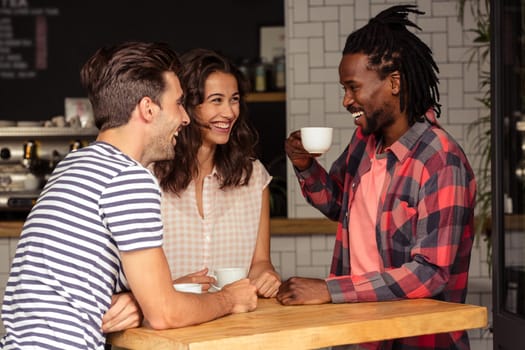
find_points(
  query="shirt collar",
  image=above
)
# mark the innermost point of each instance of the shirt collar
(402, 147)
(214, 172)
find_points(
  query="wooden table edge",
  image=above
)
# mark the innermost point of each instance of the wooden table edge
(318, 336)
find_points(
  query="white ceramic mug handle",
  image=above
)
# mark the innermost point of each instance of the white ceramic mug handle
(213, 285)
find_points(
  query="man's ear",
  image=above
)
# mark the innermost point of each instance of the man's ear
(146, 108)
(395, 82)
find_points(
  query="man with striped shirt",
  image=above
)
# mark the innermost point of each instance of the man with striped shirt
(96, 229)
(402, 191)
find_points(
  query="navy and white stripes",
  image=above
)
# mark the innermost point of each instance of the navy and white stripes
(66, 267)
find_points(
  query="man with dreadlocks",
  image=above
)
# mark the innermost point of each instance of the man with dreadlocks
(402, 191)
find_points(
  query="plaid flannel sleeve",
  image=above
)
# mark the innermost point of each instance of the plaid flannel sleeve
(323, 190)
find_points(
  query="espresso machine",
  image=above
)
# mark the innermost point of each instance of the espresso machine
(28, 155)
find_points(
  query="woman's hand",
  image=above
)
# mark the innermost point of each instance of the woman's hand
(200, 277)
(267, 283)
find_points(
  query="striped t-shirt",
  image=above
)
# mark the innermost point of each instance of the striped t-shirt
(97, 202)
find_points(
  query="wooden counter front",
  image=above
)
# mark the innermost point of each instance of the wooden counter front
(284, 226)
(10, 228)
(273, 326)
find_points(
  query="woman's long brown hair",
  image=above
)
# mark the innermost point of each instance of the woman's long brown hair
(233, 160)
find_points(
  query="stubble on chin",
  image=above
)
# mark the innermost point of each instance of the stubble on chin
(170, 153)
(369, 126)
(167, 153)
(377, 122)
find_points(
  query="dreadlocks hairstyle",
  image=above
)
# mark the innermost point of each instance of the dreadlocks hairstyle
(391, 47)
(233, 160)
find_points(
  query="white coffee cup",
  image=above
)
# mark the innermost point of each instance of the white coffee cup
(227, 275)
(316, 140)
(188, 287)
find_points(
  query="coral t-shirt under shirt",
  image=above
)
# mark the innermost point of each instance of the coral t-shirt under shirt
(364, 255)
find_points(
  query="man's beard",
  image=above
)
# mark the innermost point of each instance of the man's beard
(371, 123)
(377, 122)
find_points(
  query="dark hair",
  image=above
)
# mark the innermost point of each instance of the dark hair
(391, 47)
(118, 77)
(233, 160)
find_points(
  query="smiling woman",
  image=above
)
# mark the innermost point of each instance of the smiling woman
(216, 197)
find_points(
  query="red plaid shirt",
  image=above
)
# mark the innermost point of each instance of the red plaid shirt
(424, 227)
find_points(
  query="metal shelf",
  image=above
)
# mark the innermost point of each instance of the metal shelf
(40, 131)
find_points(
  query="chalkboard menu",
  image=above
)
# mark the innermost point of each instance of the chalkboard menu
(43, 44)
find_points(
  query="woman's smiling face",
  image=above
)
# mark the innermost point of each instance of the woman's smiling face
(220, 109)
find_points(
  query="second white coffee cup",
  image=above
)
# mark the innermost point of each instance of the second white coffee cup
(227, 275)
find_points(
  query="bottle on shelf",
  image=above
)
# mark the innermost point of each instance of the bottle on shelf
(260, 84)
(279, 71)
(30, 154)
(244, 66)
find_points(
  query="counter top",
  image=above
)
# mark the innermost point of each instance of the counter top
(10, 228)
(278, 226)
(285, 226)
(273, 326)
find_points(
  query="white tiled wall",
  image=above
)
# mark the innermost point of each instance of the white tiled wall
(316, 32)
(306, 256)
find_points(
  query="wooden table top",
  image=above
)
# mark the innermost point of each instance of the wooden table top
(273, 326)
